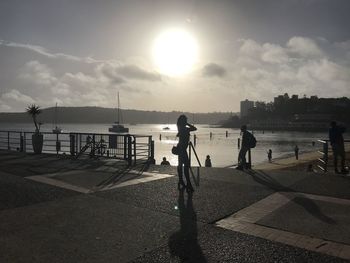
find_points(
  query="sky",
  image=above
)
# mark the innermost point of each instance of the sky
(82, 52)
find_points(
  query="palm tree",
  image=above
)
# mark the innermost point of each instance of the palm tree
(34, 111)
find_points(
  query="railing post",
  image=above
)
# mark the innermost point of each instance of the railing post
(8, 141)
(129, 148)
(58, 144)
(134, 144)
(125, 146)
(72, 144)
(152, 149)
(21, 143)
(190, 152)
(24, 142)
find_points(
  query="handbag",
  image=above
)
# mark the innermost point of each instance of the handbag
(175, 150)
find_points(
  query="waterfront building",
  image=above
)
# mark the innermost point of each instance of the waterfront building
(246, 105)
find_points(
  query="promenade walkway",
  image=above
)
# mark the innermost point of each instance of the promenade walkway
(54, 209)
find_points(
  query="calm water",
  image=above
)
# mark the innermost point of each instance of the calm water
(223, 151)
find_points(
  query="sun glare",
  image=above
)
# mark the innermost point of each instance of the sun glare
(175, 52)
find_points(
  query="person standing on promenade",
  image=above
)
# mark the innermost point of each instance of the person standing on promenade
(248, 142)
(296, 152)
(337, 143)
(184, 130)
(269, 155)
(208, 161)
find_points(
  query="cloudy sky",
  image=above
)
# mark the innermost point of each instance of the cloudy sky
(81, 52)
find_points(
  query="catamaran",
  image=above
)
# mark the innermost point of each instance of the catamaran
(117, 127)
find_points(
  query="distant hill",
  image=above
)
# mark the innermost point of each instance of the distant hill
(108, 115)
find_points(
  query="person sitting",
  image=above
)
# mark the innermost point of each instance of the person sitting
(165, 162)
(208, 161)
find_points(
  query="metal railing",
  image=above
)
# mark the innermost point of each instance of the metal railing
(323, 160)
(129, 147)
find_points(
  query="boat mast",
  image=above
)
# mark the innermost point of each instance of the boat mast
(118, 109)
(55, 118)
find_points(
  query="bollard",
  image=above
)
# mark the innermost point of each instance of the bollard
(249, 164)
(58, 146)
(160, 137)
(194, 139)
(211, 135)
(21, 147)
(226, 134)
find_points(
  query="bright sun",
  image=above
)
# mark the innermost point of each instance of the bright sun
(175, 52)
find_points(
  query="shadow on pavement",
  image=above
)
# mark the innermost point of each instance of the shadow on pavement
(309, 205)
(184, 243)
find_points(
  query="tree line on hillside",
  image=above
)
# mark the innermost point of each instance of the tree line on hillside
(109, 115)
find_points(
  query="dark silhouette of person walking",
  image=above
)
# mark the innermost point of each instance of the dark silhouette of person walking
(208, 161)
(296, 152)
(184, 130)
(248, 141)
(269, 155)
(337, 143)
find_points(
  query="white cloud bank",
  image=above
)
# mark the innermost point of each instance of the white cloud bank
(260, 71)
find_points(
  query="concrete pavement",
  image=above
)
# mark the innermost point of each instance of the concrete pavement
(130, 216)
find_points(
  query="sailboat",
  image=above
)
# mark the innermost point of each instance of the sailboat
(117, 127)
(56, 129)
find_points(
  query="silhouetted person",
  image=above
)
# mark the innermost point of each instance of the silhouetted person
(165, 162)
(269, 155)
(208, 161)
(337, 143)
(246, 145)
(296, 152)
(184, 130)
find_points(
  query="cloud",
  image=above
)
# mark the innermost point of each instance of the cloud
(17, 96)
(39, 74)
(274, 53)
(304, 46)
(135, 72)
(213, 70)
(43, 51)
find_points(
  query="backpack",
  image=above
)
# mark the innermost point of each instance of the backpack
(251, 140)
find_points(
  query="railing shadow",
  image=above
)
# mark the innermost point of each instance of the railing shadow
(116, 177)
(184, 243)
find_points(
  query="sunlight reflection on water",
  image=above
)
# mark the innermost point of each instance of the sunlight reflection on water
(223, 151)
